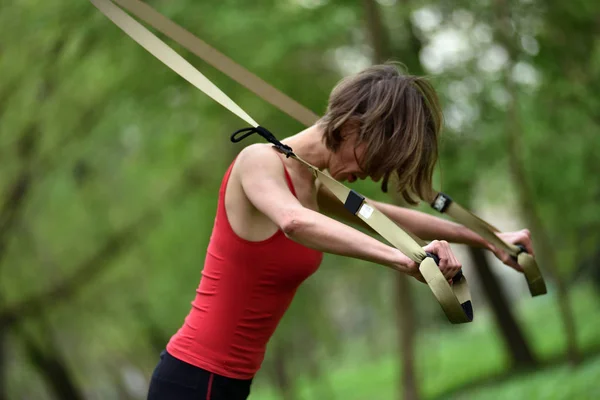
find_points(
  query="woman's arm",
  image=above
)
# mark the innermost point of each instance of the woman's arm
(428, 227)
(425, 226)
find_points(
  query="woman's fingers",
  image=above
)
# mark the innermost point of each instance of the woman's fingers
(525, 240)
(506, 258)
(449, 264)
(522, 237)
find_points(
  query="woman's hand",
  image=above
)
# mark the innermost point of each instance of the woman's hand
(449, 264)
(522, 237)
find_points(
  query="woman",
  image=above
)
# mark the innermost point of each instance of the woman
(269, 235)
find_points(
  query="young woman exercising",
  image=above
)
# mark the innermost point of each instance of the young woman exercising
(270, 230)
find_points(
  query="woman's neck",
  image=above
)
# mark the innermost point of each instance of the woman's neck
(309, 146)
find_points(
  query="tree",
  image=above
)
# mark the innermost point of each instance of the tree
(405, 308)
(526, 199)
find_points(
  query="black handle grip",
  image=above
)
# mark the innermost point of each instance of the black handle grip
(456, 277)
(522, 249)
(435, 258)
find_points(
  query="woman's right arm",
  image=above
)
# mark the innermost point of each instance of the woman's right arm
(262, 180)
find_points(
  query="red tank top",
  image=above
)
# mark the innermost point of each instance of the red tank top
(245, 289)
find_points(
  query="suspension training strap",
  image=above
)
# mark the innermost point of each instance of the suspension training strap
(219, 61)
(454, 299)
(305, 116)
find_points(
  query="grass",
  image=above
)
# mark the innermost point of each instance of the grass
(558, 383)
(469, 362)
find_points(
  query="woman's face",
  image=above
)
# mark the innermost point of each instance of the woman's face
(345, 164)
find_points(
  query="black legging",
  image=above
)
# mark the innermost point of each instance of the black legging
(174, 379)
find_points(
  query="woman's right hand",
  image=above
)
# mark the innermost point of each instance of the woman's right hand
(449, 264)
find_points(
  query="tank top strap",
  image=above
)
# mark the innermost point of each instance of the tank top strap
(288, 178)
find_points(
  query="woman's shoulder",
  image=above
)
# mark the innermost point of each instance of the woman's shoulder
(259, 157)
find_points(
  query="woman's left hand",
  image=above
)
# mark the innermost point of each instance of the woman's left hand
(522, 237)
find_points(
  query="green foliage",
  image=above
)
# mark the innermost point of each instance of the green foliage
(112, 144)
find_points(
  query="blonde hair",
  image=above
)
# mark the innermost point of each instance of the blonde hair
(398, 117)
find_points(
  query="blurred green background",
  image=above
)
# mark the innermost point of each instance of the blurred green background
(111, 165)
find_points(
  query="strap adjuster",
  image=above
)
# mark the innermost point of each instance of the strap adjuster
(354, 201)
(442, 202)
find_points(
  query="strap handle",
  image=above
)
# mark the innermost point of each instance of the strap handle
(454, 300)
(535, 281)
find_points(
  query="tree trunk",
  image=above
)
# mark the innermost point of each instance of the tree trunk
(3, 362)
(407, 328)
(514, 132)
(376, 30)
(12, 208)
(325, 390)
(281, 374)
(545, 252)
(156, 337)
(514, 340)
(405, 307)
(52, 368)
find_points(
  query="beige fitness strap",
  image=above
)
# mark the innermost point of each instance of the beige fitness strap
(219, 61)
(454, 299)
(305, 116)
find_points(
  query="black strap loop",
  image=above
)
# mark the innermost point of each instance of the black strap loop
(235, 138)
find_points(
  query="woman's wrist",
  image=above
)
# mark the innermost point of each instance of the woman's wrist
(400, 262)
(470, 238)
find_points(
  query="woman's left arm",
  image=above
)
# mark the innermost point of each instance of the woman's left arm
(428, 227)
(425, 226)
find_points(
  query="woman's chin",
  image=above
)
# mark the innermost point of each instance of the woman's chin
(350, 178)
